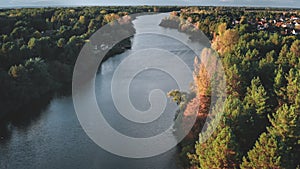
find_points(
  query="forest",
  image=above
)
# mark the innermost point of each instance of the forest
(260, 125)
(39, 47)
(259, 50)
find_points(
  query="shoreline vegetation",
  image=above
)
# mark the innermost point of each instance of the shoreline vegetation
(259, 49)
(39, 47)
(260, 122)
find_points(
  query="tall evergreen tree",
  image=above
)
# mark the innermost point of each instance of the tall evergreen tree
(220, 150)
(256, 98)
(279, 147)
(239, 121)
(293, 86)
(295, 48)
(282, 59)
(266, 70)
(286, 125)
(233, 75)
(256, 107)
(280, 86)
(266, 154)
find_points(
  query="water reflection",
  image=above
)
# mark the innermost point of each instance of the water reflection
(5, 132)
(22, 120)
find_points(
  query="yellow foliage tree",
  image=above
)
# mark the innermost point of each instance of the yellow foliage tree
(111, 17)
(225, 42)
(201, 78)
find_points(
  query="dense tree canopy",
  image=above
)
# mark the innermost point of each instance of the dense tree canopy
(261, 63)
(39, 46)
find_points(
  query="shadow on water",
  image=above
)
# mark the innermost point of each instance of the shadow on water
(22, 119)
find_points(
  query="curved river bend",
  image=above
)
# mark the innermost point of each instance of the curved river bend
(54, 139)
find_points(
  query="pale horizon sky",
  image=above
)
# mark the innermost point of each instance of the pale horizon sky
(47, 3)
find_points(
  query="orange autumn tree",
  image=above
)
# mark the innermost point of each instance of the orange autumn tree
(196, 106)
(201, 79)
(202, 74)
(220, 149)
(200, 103)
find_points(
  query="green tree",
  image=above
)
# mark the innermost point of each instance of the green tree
(37, 34)
(177, 96)
(38, 73)
(286, 124)
(19, 32)
(295, 48)
(240, 123)
(234, 76)
(33, 43)
(293, 86)
(255, 105)
(219, 151)
(282, 59)
(256, 98)
(266, 154)
(280, 86)
(279, 148)
(266, 70)
(61, 42)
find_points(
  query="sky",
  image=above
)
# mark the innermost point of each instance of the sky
(46, 3)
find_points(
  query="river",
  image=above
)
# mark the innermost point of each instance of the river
(54, 138)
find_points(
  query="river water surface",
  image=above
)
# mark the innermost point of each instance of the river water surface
(54, 138)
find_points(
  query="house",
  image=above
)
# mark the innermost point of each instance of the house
(279, 24)
(294, 18)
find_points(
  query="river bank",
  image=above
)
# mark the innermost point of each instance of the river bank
(16, 107)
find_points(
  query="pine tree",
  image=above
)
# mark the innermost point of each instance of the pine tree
(233, 110)
(266, 154)
(280, 86)
(286, 125)
(256, 107)
(282, 59)
(279, 147)
(293, 86)
(220, 150)
(295, 48)
(239, 121)
(266, 69)
(234, 81)
(293, 59)
(256, 98)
